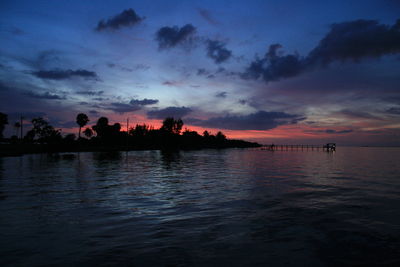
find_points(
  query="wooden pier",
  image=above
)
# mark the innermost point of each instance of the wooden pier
(328, 147)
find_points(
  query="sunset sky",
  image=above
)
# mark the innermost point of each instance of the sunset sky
(266, 71)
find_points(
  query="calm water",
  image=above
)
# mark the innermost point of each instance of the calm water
(214, 208)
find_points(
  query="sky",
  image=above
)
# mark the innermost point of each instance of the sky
(297, 72)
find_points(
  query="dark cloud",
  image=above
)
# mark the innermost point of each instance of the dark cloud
(394, 111)
(357, 114)
(13, 30)
(221, 94)
(4, 87)
(64, 74)
(91, 93)
(176, 112)
(355, 40)
(59, 123)
(171, 83)
(202, 71)
(330, 131)
(94, 112)
(274, 66)
(216, 50)
(206, 14)
(138, 67)
(143, 102)
(169, 37)
(27, 115)
(123, 108)
(126, 18)
(46, 95)
(261, 120)
(133, 105)
(392, 99)
(142, 67)
(212, 74)
(352, 40)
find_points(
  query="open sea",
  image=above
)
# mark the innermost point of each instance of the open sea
(232, 207)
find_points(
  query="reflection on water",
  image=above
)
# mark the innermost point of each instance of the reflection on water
(209, 207)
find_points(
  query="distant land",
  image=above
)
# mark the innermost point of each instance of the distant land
(44, 138)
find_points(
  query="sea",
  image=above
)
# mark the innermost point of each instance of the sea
(229, 207)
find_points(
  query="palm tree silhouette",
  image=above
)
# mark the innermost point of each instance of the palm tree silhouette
(81, 119)
(88, 132)
(3, 122)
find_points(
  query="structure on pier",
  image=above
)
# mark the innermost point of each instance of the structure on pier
(328, 147)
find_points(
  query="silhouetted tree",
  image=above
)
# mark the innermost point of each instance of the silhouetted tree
(139, 130)
(168, 137)
(70, 138)
(81, 119)
(101, 127)
(189, 133)
(3, 123)
(107, 133)
(88, 132)
(30, 136)
(44, 131)
(220, 137)
(170, 125)
(116, 127)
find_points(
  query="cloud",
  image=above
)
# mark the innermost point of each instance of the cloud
(176, 112)
(94, 112)
(91, 93)
(221, 94)
(330, 131)
(202, 71)
(14, 30)
(122, 108)
(99, 98)
(59, 123)
(216, 50)
(206, 14)
(4, 87)
(169, 37)
(353, 40)
(27, 114)
(133, 105)
(64, 74)
(143, 102)
(46, 95)
(274, 66)
(354, 114)
(218, 72)
(261, 120)
(172, 83)
(126, 18)
(395, 111)
(137, 67)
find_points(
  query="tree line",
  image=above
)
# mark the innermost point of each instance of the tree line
(103, 134)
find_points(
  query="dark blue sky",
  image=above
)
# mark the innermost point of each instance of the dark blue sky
(262, 70)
